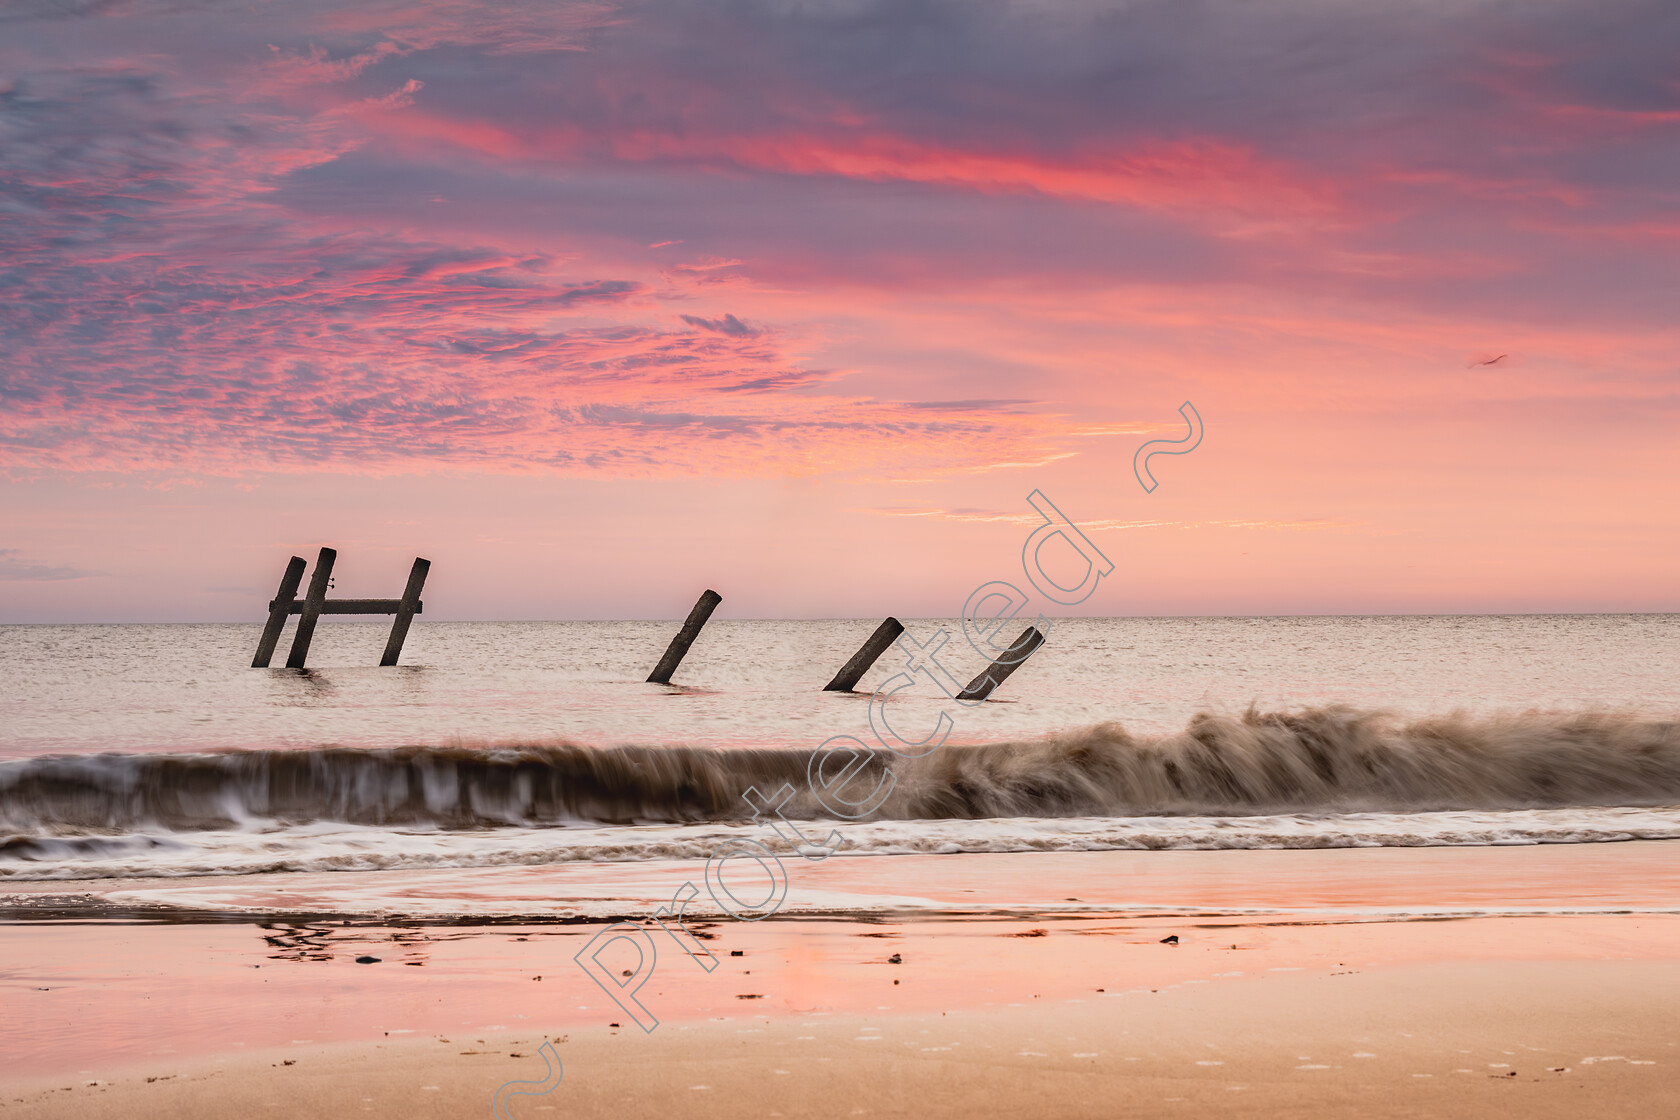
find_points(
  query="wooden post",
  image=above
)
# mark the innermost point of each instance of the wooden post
(678, 648)
(405, 610)
(277, 612)
(312, 607)
(316, 604)
(998, 671)
(846, 679)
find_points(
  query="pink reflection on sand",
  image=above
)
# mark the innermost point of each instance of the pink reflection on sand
(971, 932)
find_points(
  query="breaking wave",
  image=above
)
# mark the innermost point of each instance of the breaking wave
(1312, 761)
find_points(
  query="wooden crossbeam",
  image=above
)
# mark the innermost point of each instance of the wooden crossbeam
(315, 604)
(350, 606)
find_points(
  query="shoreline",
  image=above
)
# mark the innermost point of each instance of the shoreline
(1448, 880)
(976, 934)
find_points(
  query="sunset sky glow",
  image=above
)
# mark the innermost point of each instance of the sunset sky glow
(598, 304)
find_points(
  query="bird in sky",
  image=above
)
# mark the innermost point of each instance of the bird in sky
(1488, 362)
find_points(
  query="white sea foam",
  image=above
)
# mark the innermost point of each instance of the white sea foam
(326, 846)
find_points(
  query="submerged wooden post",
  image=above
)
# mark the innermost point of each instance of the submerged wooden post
(406, 607)
(998, 671)
(277, 612)
(678, 648)
(316, 604)
(852, 672)
(312, 605)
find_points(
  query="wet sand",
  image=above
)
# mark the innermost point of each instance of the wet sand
(1446, 1039)
(1400, 982)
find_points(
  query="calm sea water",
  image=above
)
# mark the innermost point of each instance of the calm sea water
(189, 687)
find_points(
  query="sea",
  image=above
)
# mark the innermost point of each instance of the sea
(156, 751)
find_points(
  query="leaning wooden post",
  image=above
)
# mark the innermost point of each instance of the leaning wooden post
(277, 612)
(998, 671)
(852, 672)
(406, 610)
(312, 604)
(678, 648)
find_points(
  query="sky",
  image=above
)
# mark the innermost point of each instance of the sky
(598, 304)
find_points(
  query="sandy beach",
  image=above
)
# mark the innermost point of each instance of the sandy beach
(1449, 1039)
(1540, 979)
